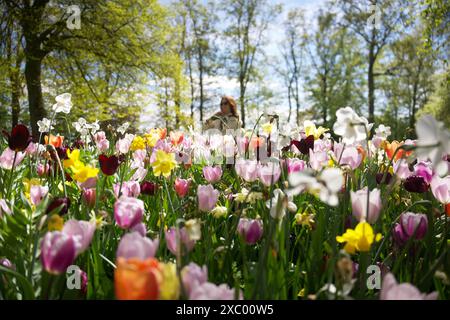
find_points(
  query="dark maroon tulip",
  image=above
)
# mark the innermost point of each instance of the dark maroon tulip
(148, 188)
(108, 165)
(58, 202)
(305, 144)
(416, 184)
(387, 178)
(19, 139)
(78, 144)
(62, 153)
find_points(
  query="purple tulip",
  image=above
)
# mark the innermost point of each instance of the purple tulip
(441, 189)
(81, 231)
(207, 197)
(140, 228)
(133, 245)
(411, 224)
(210, 291)
(192, 276)
(359, 205)
(416, 184)
(251, 230)
(424, 170)
(149, 188)
(128, 212)
(129, 189)
(212, 174)
(171, 240)
(391, 290)
(58, 251)
(6, 263)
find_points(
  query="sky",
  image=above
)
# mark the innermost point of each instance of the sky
(221, 85)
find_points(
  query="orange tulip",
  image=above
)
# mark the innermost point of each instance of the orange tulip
(362, 152)
(391, 147)
(136, 279)
(256, 142)
(162, 133)
(176, 137)
(447, 209)
(55, 141)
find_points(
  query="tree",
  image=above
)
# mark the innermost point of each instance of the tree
(248, 22)
(376, 23)
(118, 43)
(292, 52)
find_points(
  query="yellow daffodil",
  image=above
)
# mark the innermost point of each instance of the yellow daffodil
(55, 223)
(359, 239)
(267, 128)
(137, 144)
(73, 159)
(169, 288)
(305, 219)
(83, 172)
(164, 163)
(311, 130)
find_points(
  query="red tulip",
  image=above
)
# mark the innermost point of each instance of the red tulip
(108, 165)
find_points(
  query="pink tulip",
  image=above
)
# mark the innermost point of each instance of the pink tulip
(247, 169)
(318, 160)
(401, 169)
(4, 207)
(101, 142)
(172, 243)
(391, 290)
(295, 165)
(133, 245)
(139, 228)
(81, 231)
(89, 197)
(7, 159)
(269, 174)
(128, 212)
(129, 189)
(440, 187)
(207, 197)
(212, 174)
(42, 169)
(58, 251)
(193, 276)
(350, 156)
(181, 187)
(250, 230)
(210, 291)
(359, 205)
(38, 193)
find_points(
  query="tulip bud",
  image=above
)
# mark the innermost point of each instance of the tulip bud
(182, 187)
(359, 205)
(133, 245)
(173, 238)
(63, 203)
(89, 197)
(411, 225)
(251, 230)
(149, 188)
(207, 197)
(42, 169)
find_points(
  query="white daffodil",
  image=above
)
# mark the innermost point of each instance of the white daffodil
(433, 142)
(351, 127)
(63, 103)
(80, 124)
(326, 185)
(383, 131)
(279, 203)
(123, 128)
(44, 125)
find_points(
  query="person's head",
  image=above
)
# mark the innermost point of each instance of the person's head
(228, 105)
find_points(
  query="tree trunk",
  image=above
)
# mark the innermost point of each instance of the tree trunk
(15, 96)
(289, 101)
(371, 85)
(242, 100)
(35, 101)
